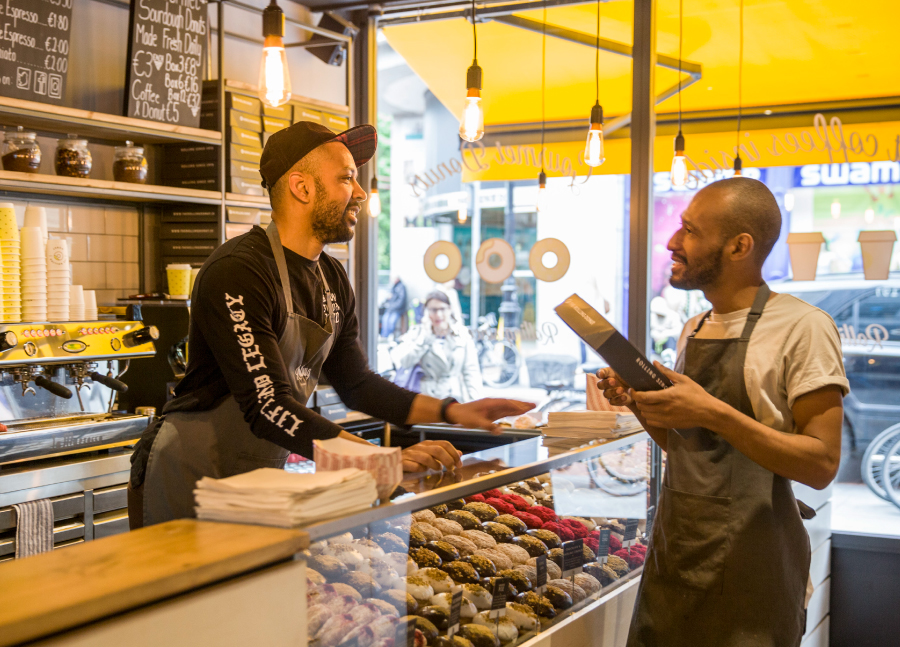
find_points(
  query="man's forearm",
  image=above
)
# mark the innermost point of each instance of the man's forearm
(798, 457)
(424, 410)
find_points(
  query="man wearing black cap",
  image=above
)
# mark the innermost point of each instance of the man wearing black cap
(270, 312)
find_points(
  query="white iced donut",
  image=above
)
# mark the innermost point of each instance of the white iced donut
(536, 260)
(503, 627)
(507, 256)
(454, 265)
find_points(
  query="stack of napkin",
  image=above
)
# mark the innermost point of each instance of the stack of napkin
(273, 497)
(570, 429)
(385, 464)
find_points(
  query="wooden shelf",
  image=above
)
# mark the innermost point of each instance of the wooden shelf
(249, 201)
(73, 187)
(97, 125)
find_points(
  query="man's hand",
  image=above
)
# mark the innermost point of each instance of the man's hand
(614, 388)
(683, 405)
(481, 414)
(434, 455)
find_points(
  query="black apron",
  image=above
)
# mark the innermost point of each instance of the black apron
(728, 560)
(218, 443)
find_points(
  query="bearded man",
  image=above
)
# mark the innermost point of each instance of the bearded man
(756, 403)
(271, 312)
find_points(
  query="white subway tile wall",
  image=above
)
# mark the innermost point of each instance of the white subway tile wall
(103, 245)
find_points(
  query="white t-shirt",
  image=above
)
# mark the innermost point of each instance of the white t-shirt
(795, 349)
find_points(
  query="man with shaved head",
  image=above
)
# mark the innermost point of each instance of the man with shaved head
(756, 403)
(271, 312)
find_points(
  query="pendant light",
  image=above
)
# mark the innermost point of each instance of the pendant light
(738, 164)
(542, 177)
(274, 80)
(462, 215)
(374, 199)
(593, 147)
(679, 173)
(471, 124)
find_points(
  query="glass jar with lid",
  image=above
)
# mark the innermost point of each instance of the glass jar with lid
(21, 152)
(73, 159)
(129, 164)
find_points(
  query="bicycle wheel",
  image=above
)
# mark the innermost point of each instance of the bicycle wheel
(874, 460)
(891, 474)
(500, 363)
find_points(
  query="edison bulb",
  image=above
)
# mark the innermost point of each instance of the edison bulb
(679, 173)
(788, 201)
(462, 215)
(374, 203)
(593, 147)
(541, 203)
(836, 209)
(471, 125)
(869, 215)
(274, 80)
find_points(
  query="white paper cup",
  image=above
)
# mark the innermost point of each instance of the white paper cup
(805, 248)
(36, 216)
(90, 301)
(877, 249)
(32, 239)
(58, 254)
(76, 296)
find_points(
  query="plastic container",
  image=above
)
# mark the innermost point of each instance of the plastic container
(73, 159)
(21, 152)
(129, 164)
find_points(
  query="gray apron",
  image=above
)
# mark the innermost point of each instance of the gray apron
(728, 559)
(219, 443)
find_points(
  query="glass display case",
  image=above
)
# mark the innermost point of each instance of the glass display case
(510, 512)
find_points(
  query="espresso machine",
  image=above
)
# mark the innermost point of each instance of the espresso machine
(61, 435)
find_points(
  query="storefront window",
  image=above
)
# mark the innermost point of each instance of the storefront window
(519, 347)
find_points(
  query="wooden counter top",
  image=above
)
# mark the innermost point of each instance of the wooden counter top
(65, 588)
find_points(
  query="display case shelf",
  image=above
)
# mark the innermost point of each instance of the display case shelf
(71, 187)
(43, 117)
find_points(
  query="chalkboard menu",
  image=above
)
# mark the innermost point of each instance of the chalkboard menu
(34, 49)
(166, 57)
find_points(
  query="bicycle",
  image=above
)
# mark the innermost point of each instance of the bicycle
(499, 359)
(880, 453)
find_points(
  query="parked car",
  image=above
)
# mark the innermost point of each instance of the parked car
(867, 314)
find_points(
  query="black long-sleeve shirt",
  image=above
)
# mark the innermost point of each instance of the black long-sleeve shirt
(238, 292)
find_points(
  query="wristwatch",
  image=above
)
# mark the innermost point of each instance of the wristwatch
(445, 404)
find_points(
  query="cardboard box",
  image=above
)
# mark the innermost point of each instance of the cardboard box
(188, 230)
(194, 248)
(202, 168)
(285, 112)
(190, 213)
(243, 103)
(245, 186)
(302, 113)
(273, 125)
(244, 153)
(336, 122)
(233, 230)
(200, 183)
(247, 122)
(243, 215)
(178, 153)
(606, 341)
(244, 137)
(246, 170)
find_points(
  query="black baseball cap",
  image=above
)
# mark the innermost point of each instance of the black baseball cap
(290, 145)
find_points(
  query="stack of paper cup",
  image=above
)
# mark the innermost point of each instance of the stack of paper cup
(90, 306)
(76, 303)
(34, 275)
(10, 251)
(59, 279)
(36, 217)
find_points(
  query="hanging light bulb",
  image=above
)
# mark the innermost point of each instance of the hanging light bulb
(541, 202)
(374, 199)
(869, 215)
(593, 147)
(274, 80)
(738, 166)
(679, 174)
(471, 124)
(788, 202)
(462, 215)
(836, 209)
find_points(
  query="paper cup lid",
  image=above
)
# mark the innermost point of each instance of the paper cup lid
(178, 266)
(884, 236)
(806, 237)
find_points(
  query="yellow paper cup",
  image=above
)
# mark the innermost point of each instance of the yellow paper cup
(179, 277)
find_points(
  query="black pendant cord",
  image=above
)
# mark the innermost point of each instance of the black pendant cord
(680, 44)
(597, 63)
(474, 33)
(543, 82)
(737, 149)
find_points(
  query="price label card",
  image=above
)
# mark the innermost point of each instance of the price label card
(498, 603)
(603, 547)
(166, 57)
(541, 565)
(34, 49)
(455, 607)
(406, 634)
(573, 557)
(629, 538)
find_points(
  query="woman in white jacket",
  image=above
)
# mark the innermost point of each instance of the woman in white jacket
(445, 350)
